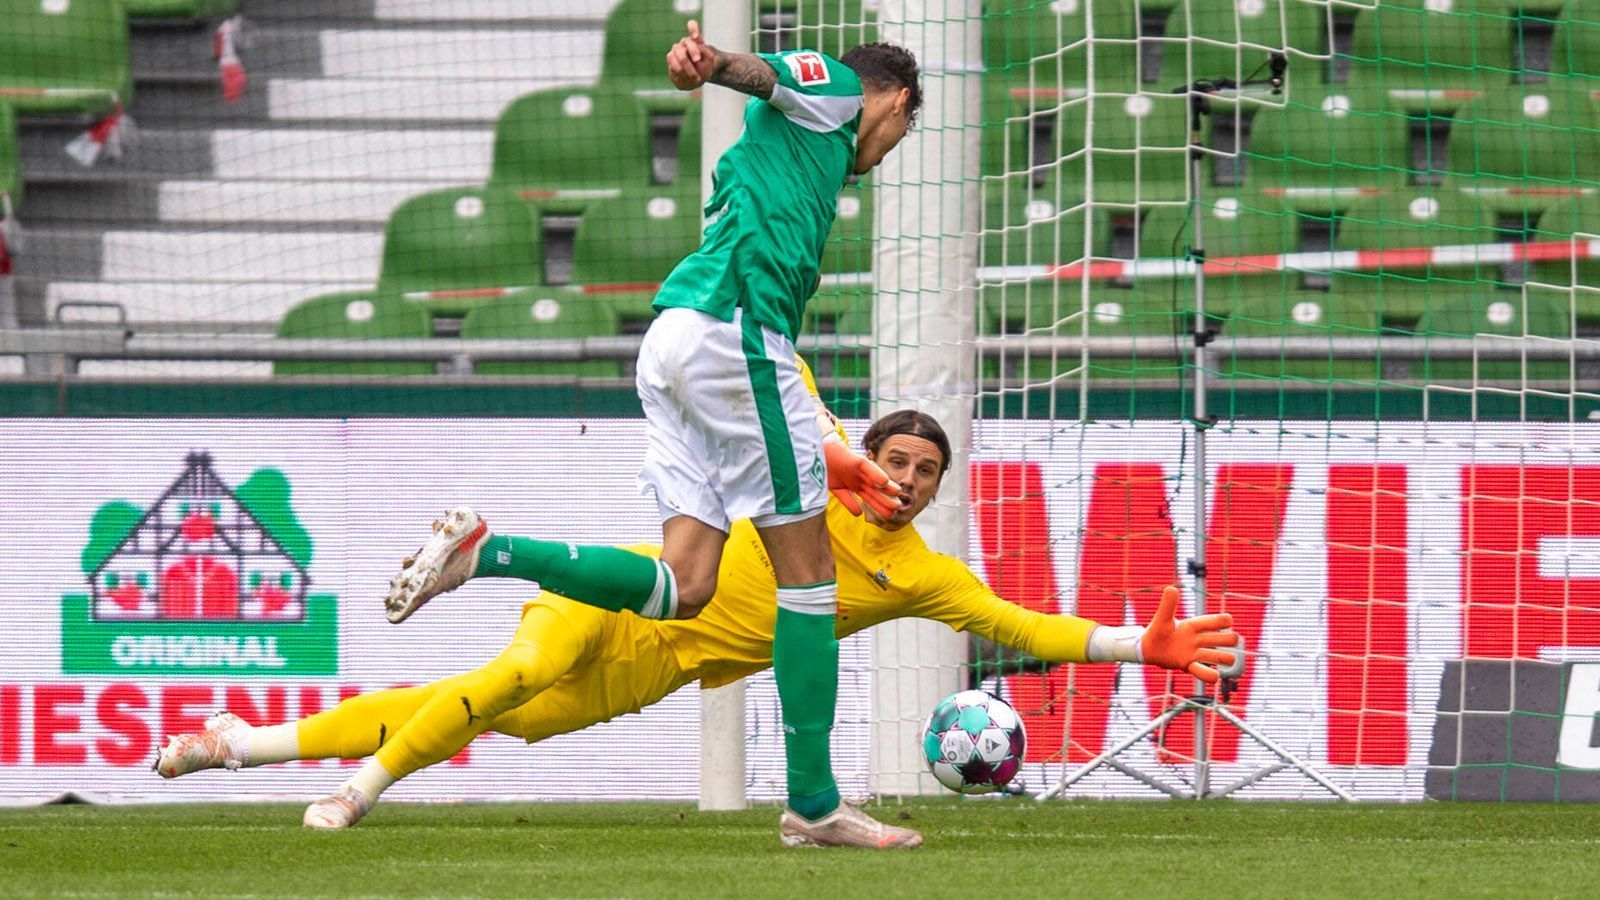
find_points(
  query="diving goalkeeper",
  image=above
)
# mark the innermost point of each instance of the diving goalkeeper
(571, 665)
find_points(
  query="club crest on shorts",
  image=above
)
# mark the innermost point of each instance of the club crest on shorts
(819, 471)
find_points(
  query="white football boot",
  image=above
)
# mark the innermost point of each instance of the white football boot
(344, 808)
(844, 827)
(222, 745)
(444, 563)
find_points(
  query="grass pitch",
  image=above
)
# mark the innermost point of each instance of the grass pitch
(990, 849)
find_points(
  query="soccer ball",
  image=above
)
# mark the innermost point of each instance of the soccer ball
(973, 742)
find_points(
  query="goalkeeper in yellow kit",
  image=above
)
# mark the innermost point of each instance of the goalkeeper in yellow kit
(571, 665)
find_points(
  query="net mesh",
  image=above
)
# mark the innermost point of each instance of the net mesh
(1387, 210)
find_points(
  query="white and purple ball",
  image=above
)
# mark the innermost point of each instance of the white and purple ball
(973, 742)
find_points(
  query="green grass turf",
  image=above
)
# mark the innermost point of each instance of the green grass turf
(989, 849)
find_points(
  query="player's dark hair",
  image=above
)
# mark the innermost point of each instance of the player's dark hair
(887, 67)
(916, 424)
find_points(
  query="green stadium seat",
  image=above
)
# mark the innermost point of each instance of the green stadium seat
(1414, 45)
(64, 57)
(1023, 226)
(1506, 315)
(355, 316)
(1308, 314)
(10, 168)
(571, 145)
(625, 247)
(181, 9)
(1320, 154)
(1575, 42)
(1048, 37)
(1403, 287)
(1577, 220)
(451, 249)
(545, 313)
(1139, 149)
(1217, 28)
(1522, 147)
(849, 248)
(1059, 308)
(638, 33)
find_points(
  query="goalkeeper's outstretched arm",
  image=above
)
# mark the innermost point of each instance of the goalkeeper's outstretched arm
(1190, 645)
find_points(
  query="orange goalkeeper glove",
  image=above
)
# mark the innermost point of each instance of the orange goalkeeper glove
(854, 479)
(1189, 644)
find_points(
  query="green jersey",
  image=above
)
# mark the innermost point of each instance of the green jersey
(774, 195)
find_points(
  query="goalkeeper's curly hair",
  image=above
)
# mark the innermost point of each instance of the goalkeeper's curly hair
(887, 67)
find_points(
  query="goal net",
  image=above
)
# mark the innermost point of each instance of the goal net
(1344, 251)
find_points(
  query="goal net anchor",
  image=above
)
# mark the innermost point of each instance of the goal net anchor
(1198, 705)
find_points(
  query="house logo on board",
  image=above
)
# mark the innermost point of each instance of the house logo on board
(207, 579)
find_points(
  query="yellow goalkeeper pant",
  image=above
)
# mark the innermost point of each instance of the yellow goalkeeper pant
(568, 666)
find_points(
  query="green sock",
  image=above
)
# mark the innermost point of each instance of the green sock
(805, 661)
(606, 577)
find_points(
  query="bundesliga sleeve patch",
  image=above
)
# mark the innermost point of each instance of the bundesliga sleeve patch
(808, 68)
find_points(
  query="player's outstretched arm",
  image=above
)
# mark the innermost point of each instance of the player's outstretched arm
(1187, 645)
(692, 62)
(967, 604)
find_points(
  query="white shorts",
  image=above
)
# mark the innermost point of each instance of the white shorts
(732, 429)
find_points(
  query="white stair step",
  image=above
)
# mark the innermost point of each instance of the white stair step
(379, 154)
(235, 257)
(372, 99)
(286, 201)
(495, 10)
(200, 303)
(429, 53)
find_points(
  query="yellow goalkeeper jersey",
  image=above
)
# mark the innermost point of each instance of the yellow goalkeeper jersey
(882, 575)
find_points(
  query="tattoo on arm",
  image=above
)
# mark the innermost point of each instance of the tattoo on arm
(745, 73)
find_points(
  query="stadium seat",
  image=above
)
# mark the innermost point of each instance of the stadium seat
(849, 248)
(1507, 315)
(1575, 219)
(1059, 308)
(449, 249)
(1048, 37)
(64, 57)
(1521, 147)
(1321, 152)
(546, 313)
(1310, 314)
(1575, 41)
(355, 316)
(1023, 226)
(572, 144)
(1433, 44)
(626, 246)
(1404, 286)
(1139, 149)
(181, 9)
(1217, 28)
(638, 33)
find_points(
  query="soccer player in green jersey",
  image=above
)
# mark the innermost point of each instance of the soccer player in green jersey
(733, 433)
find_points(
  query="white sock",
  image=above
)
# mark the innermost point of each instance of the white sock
(371, 779)
(270, 744)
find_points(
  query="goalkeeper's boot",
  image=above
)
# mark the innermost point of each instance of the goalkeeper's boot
(222, 745)
(344, 808)
(443, 564)
(844, 827)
